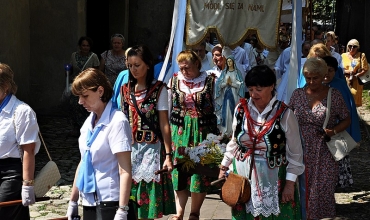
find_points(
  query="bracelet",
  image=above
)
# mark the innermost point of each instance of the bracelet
(169, 154)
(28, 182)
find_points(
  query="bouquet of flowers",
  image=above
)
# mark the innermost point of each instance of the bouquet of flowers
(209, 152)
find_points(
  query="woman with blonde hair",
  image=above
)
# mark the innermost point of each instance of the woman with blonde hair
(355, 65)
(192, 118)
(318, 50)
(321, 170)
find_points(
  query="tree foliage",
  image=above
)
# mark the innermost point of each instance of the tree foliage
(323, 11)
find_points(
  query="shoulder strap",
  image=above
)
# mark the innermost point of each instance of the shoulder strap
(87, 61)
(19, 147)
(328, 100)
(142, 116)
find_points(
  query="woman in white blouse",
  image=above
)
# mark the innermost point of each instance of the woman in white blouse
(266, 148)
(103, 177)
(19, 143)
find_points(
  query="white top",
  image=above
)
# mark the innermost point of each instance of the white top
(337, 56)
(251, 57)
(207, 62)
(282, 63)
(114, 137)
(27, 128)
(241, 57)
(162, 103)
(289, 123)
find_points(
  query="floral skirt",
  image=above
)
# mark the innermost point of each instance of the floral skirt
(291, 210)
(188, 136)
(345, 174)
(155, 198)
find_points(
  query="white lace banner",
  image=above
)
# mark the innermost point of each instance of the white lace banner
(231, 20)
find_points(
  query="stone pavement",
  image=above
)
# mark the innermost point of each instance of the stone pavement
(351, 204)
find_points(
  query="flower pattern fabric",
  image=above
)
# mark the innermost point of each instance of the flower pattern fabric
(321, 169)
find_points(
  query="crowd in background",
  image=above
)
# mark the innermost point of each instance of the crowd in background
(276, 142)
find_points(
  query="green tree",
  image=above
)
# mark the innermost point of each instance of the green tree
(323, 11)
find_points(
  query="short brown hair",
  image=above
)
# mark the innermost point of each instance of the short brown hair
(91, 79)
(190, 56)
(7, 83)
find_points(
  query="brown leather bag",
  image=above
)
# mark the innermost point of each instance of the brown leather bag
(236, 189)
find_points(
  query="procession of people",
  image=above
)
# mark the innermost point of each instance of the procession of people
(130, 124)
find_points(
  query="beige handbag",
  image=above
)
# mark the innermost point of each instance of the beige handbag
(342, 142)
(48, 175)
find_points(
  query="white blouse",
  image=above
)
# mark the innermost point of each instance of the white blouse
(26, 128)
(289, 123)
(114, 137)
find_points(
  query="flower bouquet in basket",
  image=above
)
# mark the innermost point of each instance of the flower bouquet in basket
(204, 158)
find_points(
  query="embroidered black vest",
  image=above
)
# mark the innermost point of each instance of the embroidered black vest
(140, 130)
(204, 105)
(275, 138)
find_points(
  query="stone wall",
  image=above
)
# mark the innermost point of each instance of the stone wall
(55, 28)
(15, 42)
(38, 37)
(150, 23)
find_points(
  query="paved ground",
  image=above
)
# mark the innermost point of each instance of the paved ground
(351, 204)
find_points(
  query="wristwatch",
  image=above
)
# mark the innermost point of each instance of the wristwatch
(124, 207)
(28, 182)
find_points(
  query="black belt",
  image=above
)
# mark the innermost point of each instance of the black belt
(10, 160)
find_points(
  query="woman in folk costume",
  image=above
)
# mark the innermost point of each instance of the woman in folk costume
(192, 118)
(265, 147)
(145, 102)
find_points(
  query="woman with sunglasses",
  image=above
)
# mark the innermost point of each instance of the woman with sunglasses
(355, 65)
(145, 103)
(112, 61)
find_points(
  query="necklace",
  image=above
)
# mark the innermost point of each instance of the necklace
(311, 96)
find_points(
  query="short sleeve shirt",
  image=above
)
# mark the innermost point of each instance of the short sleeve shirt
(114, 137)
(21, 130)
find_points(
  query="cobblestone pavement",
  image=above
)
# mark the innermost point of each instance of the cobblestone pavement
(352, 203)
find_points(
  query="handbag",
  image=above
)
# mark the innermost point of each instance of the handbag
(48, 175)
(236, 189)
(341, 143)
(365, 78)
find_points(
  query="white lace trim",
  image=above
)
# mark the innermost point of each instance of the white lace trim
(145, 159)
(200, 78)
(267, 205)
(268, 202)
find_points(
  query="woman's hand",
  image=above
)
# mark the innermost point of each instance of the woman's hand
(288, 192)
(223, 171)
(168, 163)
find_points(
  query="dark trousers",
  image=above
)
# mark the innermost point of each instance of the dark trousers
(89, 212)
(11, 188)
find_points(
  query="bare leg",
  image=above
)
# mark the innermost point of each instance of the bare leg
(181, 198)
(196, 202)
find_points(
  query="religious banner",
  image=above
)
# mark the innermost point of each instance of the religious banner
(232, 19)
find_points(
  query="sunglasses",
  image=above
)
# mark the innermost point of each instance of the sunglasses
(352, 46)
